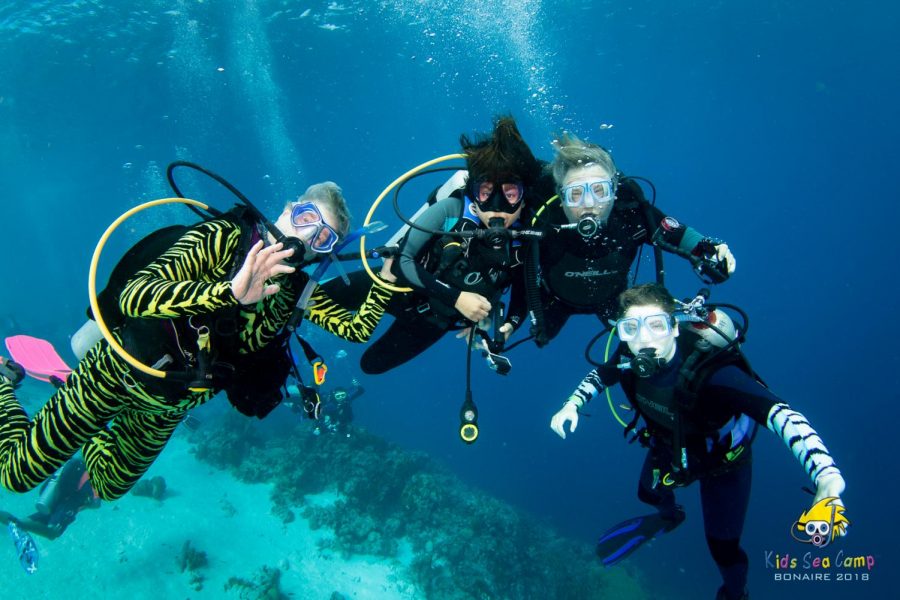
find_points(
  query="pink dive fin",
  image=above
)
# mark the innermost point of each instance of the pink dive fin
(37, 357)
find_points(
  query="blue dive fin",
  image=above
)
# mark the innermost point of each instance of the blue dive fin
(622, 540)
(25, 547)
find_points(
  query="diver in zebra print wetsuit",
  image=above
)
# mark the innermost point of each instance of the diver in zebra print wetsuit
(121, 419)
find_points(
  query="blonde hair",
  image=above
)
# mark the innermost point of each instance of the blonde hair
(330, 196)
(573, 153)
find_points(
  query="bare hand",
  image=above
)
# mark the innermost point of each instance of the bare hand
(506, 330)
(465, 332)
(472, 306)
(250, 285)
(385, 272)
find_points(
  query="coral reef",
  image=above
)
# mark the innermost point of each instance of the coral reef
(191, 560)
(234, 441)
(467, 545)
(154, 487)
(265, 586)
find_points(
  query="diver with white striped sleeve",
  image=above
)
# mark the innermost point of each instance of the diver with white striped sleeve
(700, 417)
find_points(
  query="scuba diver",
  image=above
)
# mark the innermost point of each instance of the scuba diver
(701, 403)
(460, 255)
(337, 409)
(210, 311)
(333, 413)
(336, 412)
(595, 230)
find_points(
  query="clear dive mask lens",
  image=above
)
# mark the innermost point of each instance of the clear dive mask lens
(657, 326)
(306, 216)
(504, 196)
(588, 193)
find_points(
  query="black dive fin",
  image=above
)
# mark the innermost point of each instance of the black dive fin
(620, 541)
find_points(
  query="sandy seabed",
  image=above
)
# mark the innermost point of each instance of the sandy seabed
(131, 548)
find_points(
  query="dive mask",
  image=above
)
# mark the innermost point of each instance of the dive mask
(497, 196)
(306, 217)
(657, 327)
(589, 194)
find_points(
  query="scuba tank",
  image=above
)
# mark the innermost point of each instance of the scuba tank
(716, 330)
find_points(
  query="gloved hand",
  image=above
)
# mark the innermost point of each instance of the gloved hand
(717, 262)
(723, 253)
(832, 486)
(568, 413)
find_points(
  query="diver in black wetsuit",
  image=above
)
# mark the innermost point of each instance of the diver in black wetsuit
(599, 222)
(700, 422)
(459, 280)
(333, 413)
(337, 409)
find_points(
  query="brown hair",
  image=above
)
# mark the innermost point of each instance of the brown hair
(644, 294)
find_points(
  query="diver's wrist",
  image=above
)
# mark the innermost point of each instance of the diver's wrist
(578, 402)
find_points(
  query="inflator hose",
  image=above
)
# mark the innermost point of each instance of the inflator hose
(92, 281)
(381, 196)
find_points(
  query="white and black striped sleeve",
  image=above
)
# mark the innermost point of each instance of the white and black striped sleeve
(589, 388)
(803, 441)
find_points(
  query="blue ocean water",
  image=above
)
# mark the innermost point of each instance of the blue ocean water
(769, 124)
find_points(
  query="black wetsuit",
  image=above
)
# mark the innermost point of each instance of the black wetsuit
(581, 275)
(338, 414)
(719, 431)
(439, 269)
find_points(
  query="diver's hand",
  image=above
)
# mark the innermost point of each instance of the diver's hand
(250, 285)
(723, 253)
(385, 272)
(472, 306)
(832, 486)
(465, 332)
(568, 413)
(506, 330)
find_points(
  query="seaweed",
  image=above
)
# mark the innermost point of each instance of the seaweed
(266, 585)
(192, 560)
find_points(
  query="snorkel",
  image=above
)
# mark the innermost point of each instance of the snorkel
(201, 379)
(326, 262)
(288, 242)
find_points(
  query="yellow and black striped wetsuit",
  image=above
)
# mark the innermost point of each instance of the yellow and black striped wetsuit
(117, 417)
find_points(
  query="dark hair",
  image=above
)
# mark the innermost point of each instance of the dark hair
(500, 154)
(647, 293)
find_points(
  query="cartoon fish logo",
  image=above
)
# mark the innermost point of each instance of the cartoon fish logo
(821, 524)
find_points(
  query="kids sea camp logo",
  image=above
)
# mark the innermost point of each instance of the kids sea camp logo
(821, 524)
(819, 527)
